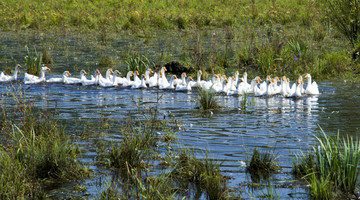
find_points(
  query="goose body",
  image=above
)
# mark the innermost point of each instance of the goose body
(59, 80)
(7, 78)
(312, 87)
(32, 79)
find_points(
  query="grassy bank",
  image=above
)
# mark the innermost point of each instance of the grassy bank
(260, 37)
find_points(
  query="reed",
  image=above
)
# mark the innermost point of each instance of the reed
(207, 100)
(38, 147)
(33, 62)
(205, 175)
(332, 170)
(262, 163)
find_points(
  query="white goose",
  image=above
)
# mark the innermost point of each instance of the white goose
(142, 83)
(137, 80)
(181, 81)
(219, 87)
(59, 80)
(32, 79)
(297, 92)
(125, 81)
(154, 80)
(94, 79)
(168, 85)
(186, 87)
(73, 80)
(163, 80)
(147, 75)
(107, 76)
(109, 83)
(263, 89)
(312, 87)
(6, 78)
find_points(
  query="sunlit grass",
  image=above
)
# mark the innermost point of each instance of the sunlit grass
(332, 169)
(38, 148)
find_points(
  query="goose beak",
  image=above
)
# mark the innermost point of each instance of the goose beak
(111, 71)
(68, 73)
(19, 65)
(175, 76)
(151, 71)
(137, 73)
(191, 78)
(47, 68)
(200, 71)
(165, 69)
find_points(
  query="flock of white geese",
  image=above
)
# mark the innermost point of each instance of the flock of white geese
(218, 83)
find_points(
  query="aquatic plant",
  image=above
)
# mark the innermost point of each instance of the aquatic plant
(47, 57)
(204, 175)
(262, 163)
(138, 63)
(207, 100)
(332, 170)
(303, 164)
(33, 62)
(39, 147)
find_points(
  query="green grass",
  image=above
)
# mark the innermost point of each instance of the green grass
(275, 38)
(38, 152)
(207, 100)
(262, 163)
(332, 169)
(33, 62)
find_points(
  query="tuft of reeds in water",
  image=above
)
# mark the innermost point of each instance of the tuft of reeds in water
(207, 100)
(332, 170)
(38, 147)
(262, 163)
(33, 62)
(204, 175)
(303, 164)
(136, 62)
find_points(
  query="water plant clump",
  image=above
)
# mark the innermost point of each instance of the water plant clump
(262, 163)
(204, 175)
(33, 62)
(136, 62)
(207, 100)
(332, 168)
(39, 147)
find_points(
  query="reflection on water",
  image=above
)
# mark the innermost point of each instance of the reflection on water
(282, 124)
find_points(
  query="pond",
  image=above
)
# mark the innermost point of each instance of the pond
(284, 125)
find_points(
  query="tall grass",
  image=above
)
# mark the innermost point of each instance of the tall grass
(33, 62)
(207, 100)
(333, 170)
(38, 148)
(262, 163)
(138, 63)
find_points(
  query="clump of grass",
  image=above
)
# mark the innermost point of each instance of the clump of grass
(205, 175)
(33, 62)
(38, 146)
(262, 163)
(207, 100)
(332, 170)
(303, 164)
(138, 63)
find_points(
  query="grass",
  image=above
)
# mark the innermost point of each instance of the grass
(37, 153)
(332, 169)
(205, 175)
(262, 163)
(207, 100)
(33, 62)
(280, 39)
